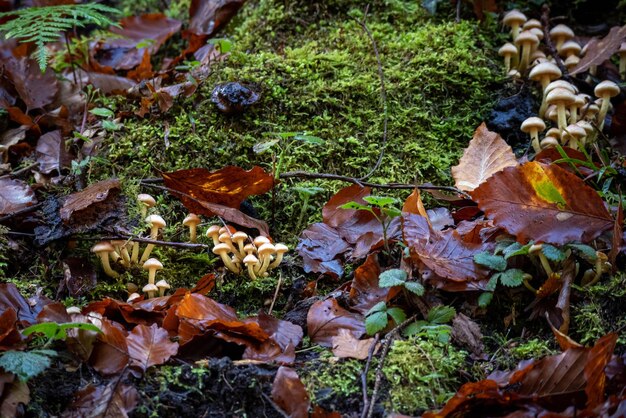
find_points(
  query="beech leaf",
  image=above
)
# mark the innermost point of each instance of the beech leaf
(150, 346)
(600, 50)
(543, 203)
(486, 154)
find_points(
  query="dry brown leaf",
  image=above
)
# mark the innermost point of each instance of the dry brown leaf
(345, 345)
(289, 393)
(149, 346)
(326, 318)
(486, 154)
(600, 50)
(15, 195)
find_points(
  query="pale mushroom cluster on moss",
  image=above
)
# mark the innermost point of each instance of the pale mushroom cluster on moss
(242, 253)
(576, 117)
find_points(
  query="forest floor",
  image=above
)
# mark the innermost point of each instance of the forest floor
(330, 87)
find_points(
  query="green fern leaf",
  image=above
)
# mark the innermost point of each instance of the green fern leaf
(42, 25)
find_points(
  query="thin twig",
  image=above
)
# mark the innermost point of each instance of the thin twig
(368, 410)
(366, 369)
(19, 172)
(383, 95)
(280, 280)
(122, 237)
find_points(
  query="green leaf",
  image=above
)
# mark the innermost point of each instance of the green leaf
(309, 139)
(502, 245)
(392, 277)
(391, 212)
(355, 205)
(308, 191)
(485, 299)
(586, 252)
(414, 287)
(262, 147)
(380, 201)
(54, 331)
(516, 249)
(512, 277)
(225, 45)
(414, 328)
(494, 262)
(444, 334)
(26, 364)
(376, 322)
(109, 125)
(397, 314)
(102, 111)
(493, 282)
(441, 314)
(379, 307)
(553, 253)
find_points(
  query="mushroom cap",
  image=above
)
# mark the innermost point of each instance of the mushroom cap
(225, 237)
(249, 248)
(562, 31)
(549, 142)
(586, 126)
(606, 88)
(191, 219)
(533, 123)
(146, 199)
(221, 248)
(132, 297)
(526, 38)
(532, 24)
(561, 84)
(152, 263)
(554, 132)
(539, 56)
(570, 47)
(73, 310)
(545, 69)
(162, 284)
(230, 229)
(250, 259)
(507, 49)
(102, 247)
(281, 248)
(560, 96)
(266, 249)
(591, 109)
(260, 240)
(537, 32)
(239, 236)
(580, 100)
(571, 61)
(575, 131)
(514, 17)
(603, 257)
(213, 231)
(150, 288)
(156, 221)
(622, 49)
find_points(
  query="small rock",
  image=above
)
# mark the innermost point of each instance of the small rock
(232, 98)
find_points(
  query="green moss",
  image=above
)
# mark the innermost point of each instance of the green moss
(600, 311)
(330, 377)
(534, 348)
(422, 374)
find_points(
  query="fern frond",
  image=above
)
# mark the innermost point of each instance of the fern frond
(42, 25)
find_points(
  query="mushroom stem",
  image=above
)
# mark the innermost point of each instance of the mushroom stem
(604, 108)
(527, 285)
(229, 263)
(560, 109)
(135, 253)
(104, 258)
(146, 252)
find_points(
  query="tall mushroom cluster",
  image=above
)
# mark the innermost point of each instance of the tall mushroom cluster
(242, 253)
(575, 117)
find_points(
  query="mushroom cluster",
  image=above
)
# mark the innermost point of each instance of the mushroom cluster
(240, 252)
(573, 115)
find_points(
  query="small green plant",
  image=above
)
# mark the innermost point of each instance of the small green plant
(43, 25)
(283, 141)
(305, 194)
(28, 364)
(548, 256)
(377, 319)
(434, 327)
(383, 209)
(398, 277)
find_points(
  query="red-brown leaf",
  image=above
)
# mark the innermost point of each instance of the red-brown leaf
(27, 313)
(207, 16)
(15, 195)
(88, 198)
(149, 346)
(36, 89)
(228, 186)
(14, 394)
(110, 352)
(283, 339)
(364, 290)
(52, 155)
(320, 246)
(112, 400)
(10, 337)
(600, 50)
(326, 318)
(123, 53)
(543, 203)
(446, 254)
(289, 393)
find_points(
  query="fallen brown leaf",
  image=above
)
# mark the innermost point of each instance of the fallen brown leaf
(600, 50)
(326, 318)
(289, 393)
(15, 195)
